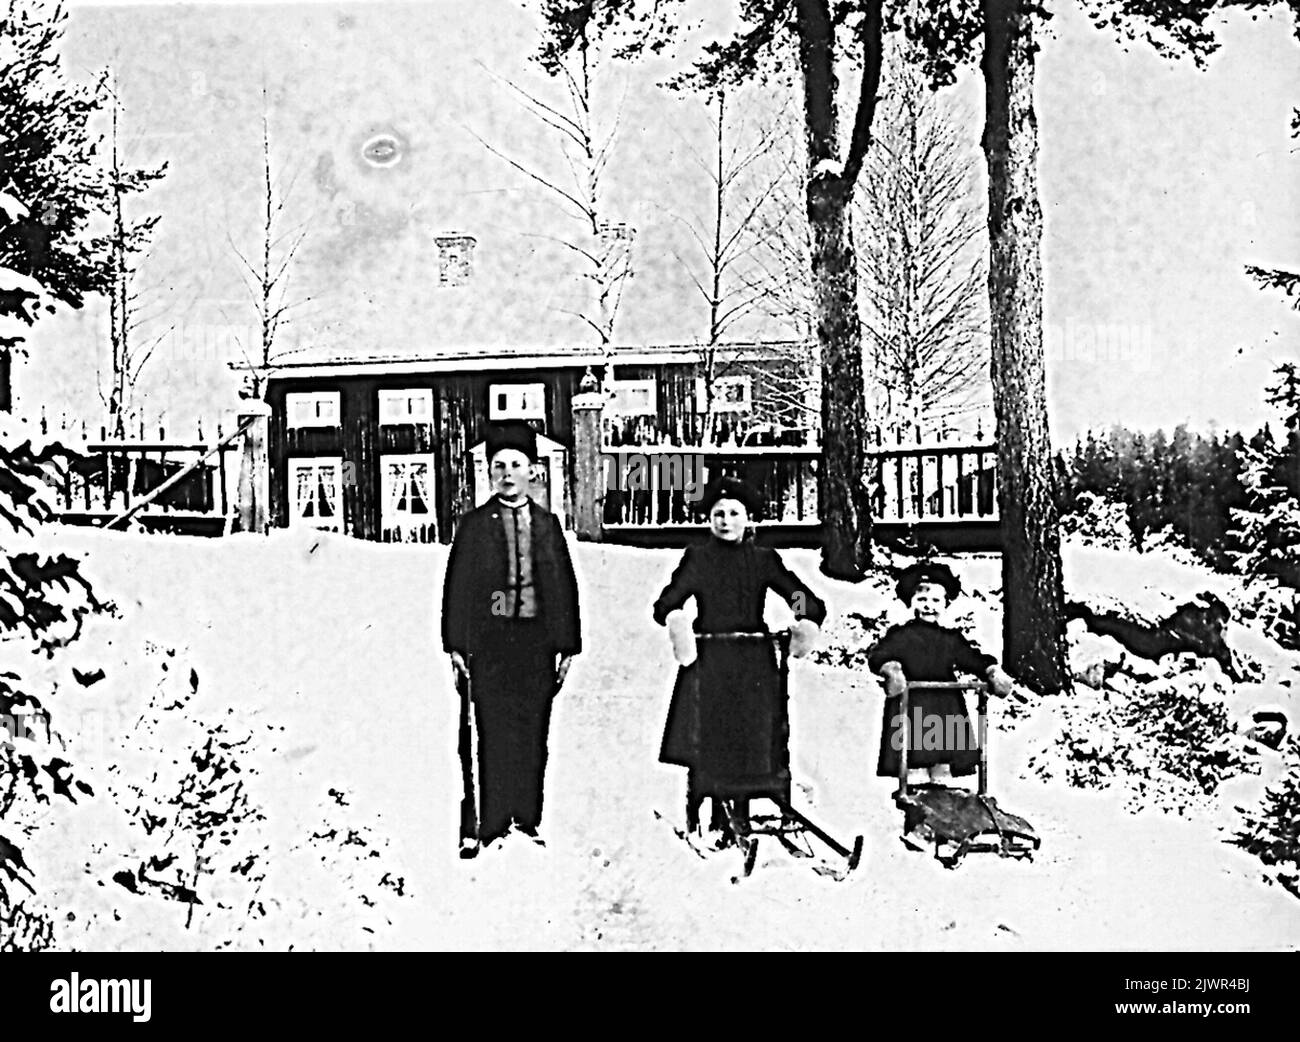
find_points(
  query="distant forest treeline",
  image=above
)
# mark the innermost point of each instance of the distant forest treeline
(1187, 483)
(1209, 493)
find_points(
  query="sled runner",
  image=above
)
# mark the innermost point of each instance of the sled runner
(957, 821)
(740, 729)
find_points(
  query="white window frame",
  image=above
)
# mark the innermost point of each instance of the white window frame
(303, 409)
(389, 515)
(720, 404)
(623, 398)
(314, 464)
(523, 402)
(406, 405)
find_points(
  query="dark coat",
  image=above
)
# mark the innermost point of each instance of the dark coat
(727, 715)
(937, 654)
(477, 572)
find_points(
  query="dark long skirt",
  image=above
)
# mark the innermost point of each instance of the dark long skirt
(941, 732)
(728, 721)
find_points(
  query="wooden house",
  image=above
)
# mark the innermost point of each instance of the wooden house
(391, 449)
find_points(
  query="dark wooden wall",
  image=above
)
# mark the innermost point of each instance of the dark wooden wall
(459, 422)
(460, 410)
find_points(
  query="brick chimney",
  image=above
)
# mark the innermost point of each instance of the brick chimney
(455, 258)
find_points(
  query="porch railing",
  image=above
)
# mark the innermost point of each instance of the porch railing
(945, 481)
(661, 485)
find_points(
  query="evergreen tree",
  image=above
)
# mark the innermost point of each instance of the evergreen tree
(1096, 471)
(1268, 528)
(47, 153)
(1139, 485)
(1176, 476)
(44, 601)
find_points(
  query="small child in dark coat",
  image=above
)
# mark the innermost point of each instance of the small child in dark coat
(943, 741)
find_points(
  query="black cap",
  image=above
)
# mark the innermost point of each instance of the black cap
(927, 572)
(513, 434)
(728, 487)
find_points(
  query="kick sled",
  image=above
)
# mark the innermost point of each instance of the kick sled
(742, 753)
(956, 821)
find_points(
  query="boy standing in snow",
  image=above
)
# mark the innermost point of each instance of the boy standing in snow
(942, 738)
(510, 622)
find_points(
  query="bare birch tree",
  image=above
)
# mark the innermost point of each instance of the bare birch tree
(267, 278)
(921, 248)
(601, 246)
(725, 235)
(128, 240)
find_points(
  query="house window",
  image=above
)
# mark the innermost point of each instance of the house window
(455, 258)
(632, 398)
(407, 508)
(517, 402)
(316, 493)
(730, 394)
(312, 409)
(406, 406)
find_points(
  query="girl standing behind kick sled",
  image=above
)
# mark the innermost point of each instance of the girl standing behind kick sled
(725, 711)
(943, 741)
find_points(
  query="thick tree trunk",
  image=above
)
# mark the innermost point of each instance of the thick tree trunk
(844, 505)
(1033, 613)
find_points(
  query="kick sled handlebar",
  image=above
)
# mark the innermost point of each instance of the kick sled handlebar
(744, 635)
(954, 685)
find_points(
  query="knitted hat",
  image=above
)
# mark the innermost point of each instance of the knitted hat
(513, 434)
(927, 572)
(728, 487)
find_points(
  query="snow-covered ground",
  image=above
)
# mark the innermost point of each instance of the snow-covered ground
(312, 661)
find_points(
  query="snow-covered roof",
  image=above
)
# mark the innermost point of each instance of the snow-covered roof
(506, 358)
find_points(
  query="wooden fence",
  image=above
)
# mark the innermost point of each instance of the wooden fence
(187, 486)
(662, 485)
(941, 482)
(659, 487)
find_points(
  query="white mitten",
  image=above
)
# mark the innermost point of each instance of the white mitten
(999, 682)
(803, 635)
(682, 636)
(895, 679)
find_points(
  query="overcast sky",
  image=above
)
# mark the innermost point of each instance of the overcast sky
(1159, 183)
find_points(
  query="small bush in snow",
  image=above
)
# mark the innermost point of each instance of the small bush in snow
(1169, 742)
(1277, 609)
(1272, 832)
(1188, 734)
(24, 930)
(1098, 522)
(184, 783)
